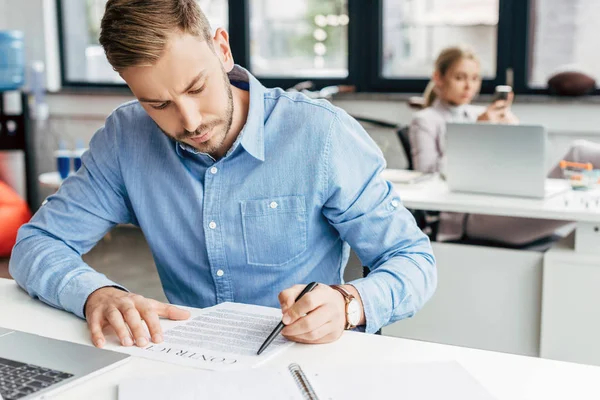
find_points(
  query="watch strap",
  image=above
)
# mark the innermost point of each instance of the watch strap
(348, 297)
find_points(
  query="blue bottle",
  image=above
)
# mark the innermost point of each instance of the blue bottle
(63, 160)
(77, 155)
(12, 60)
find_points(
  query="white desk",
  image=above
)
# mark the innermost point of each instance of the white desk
(518, 301)
(433, 194)
(505, 376)
(582, 207)
(50, 179)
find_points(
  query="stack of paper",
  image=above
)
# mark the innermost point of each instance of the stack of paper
(223, 337)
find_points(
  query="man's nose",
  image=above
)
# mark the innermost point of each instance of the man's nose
(190, 116)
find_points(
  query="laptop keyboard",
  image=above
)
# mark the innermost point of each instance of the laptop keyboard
(18, 380)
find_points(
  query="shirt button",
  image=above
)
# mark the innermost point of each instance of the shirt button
(395, 203)
(214, 170)
(212, 225)
(273, 204)
(220, 272)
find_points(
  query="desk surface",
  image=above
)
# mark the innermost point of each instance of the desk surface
(50, 179)
(433, 194)
(505, 376)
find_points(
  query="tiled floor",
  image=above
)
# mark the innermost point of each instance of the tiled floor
(4, 268)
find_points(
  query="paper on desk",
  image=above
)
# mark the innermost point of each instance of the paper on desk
(223, 337)
(404, 176)
(415, 381)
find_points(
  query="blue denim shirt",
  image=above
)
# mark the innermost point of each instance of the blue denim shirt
(299, 187)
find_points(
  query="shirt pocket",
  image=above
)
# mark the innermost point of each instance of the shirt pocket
(275, 230)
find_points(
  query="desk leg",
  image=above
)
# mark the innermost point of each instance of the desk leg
(587, 237)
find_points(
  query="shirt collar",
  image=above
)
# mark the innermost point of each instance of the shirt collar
(453, 112)
(252, 135)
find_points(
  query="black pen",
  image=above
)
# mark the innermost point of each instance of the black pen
(280, 326)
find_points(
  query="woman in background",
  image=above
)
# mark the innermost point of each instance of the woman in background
(455, 83)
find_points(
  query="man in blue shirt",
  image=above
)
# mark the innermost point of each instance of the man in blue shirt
(243, 193)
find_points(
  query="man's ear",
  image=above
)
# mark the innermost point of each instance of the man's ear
(222, 49)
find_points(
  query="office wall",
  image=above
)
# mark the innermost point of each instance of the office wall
(28, 17)
(2, 14)
(78, 116)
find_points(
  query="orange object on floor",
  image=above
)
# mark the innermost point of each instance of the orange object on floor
(14, 212)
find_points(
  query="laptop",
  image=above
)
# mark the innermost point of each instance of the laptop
(33, 366)
(495, 159)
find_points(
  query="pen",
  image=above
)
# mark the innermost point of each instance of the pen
(280, 326)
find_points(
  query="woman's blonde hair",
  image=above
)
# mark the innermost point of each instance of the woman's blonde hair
(447, 58)
(136, 32)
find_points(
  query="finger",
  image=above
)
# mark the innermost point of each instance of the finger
(324, 334)
(308, 303)
(151, 317)
(133, 319)
(315, 335)
(169, 311)
(312, 321)
(95, 324)
(499, 105)
(511, 98)
(287, 298)
(115, 319)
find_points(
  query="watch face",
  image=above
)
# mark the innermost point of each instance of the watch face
(353, 312)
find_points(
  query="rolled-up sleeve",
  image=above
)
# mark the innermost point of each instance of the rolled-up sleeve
(46, 259)
(370, 216)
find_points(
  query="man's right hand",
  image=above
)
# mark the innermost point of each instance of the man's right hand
(125, 312)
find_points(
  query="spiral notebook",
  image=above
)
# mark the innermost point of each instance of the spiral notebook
(414, 381)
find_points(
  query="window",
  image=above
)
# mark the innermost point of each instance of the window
(564, 36)
(394, 43)
(415, 31)
(83, 59)
(303, 38)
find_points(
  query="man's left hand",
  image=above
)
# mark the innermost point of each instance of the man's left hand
(318, 317)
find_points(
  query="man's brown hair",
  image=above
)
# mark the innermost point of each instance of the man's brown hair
(135, 32)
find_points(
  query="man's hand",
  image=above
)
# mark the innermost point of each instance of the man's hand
(318, 317)
(125, 312)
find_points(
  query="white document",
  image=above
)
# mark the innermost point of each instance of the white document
(404, 176)
(414, 381)
(223, 337)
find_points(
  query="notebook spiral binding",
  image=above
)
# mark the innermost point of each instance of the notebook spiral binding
(302, 382)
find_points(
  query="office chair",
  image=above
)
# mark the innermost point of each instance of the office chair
(402, 133)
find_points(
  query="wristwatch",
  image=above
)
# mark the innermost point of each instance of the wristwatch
(352, 307)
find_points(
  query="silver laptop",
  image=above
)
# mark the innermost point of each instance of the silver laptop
(33, 366)
(494, 159)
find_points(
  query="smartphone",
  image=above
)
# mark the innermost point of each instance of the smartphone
(501, 93)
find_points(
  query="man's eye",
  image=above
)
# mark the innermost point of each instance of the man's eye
(200, 89)
(161, 106)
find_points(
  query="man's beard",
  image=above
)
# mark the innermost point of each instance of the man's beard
(204, 128)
